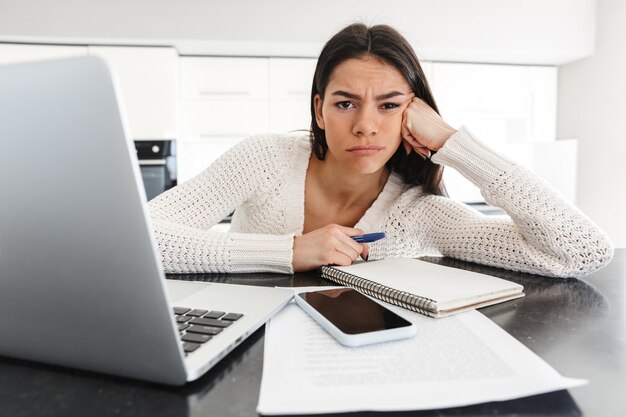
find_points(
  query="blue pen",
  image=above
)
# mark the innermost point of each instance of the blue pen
(369, 237)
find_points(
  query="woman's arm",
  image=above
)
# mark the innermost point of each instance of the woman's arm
(544, 235)
(182, 217)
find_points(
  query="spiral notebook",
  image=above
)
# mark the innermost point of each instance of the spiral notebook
(427, 288)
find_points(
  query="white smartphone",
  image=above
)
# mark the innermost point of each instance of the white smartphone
(353, 318)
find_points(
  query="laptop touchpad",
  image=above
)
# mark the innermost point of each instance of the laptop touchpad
(182, 289)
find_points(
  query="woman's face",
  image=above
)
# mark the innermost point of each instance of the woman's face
(362, 113)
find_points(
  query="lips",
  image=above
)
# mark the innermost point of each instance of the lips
(365, 150)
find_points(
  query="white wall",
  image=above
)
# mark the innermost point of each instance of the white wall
(503, 31)
(592, 107)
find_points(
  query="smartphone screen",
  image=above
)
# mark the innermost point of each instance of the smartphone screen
(352, 312)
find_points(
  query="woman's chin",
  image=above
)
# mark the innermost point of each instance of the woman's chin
(368, 168)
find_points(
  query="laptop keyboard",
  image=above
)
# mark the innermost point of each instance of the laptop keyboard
(197, 327)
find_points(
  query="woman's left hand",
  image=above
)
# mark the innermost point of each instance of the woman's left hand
(423, 130)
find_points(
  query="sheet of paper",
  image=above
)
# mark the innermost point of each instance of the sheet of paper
(456, 361)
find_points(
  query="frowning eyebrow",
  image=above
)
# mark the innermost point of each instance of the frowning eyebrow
(351, 96)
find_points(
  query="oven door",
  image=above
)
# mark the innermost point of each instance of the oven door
(155, 177)
(157, 163)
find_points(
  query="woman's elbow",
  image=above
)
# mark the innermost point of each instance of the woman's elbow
(586, 259)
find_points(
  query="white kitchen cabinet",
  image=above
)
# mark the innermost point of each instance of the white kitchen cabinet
(290, 93)
(508, 107)
(289, 116)
(493, 100)
(209, 127)
(223, 101)
(224, 78)
(223, 118)
(195, 155)
(149, 83)
(291, 78)
(510, 103)
(14, 53)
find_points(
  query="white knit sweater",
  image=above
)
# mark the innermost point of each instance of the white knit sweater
(263, 179)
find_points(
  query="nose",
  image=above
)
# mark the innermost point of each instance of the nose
(366, 122)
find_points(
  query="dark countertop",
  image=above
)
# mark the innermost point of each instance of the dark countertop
(577, 326)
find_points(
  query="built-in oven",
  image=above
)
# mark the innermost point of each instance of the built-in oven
(157, 162)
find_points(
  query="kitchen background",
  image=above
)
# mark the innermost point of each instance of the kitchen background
(540, 80)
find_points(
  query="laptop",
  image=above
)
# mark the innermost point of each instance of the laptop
(81, 282)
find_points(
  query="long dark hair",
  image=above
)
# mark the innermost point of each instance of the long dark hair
(384, 43)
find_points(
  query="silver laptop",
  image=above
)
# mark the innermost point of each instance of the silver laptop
(81, 283)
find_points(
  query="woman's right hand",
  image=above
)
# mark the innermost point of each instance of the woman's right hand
(423, 129)
(329, 245)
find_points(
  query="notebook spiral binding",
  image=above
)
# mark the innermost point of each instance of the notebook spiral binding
(403, 299)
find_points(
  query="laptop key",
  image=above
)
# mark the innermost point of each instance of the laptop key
(204, 330)
(197, 313)
(210, 322)
(189, 347)
(182, 319)
(180, 310)
(214, 314)
(232, 316)
(182, 327)
(196, 337)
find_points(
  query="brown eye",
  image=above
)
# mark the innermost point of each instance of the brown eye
(344, 105)
(389, 106)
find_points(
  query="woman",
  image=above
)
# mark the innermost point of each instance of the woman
(374, 163)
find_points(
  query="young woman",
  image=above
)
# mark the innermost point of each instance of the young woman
(372, 162)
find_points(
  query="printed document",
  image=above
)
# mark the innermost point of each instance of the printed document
(456, 361)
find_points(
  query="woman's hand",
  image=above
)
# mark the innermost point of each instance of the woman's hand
(423, 130)
(329, 245)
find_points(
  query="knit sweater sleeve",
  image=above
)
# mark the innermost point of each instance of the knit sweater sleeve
(544, 235)
(182, 217)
